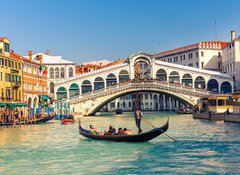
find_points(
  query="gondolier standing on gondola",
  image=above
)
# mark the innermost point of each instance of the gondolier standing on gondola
(138, 116)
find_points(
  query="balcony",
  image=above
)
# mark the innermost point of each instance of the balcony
(16, 84)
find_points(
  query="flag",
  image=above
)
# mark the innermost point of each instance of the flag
(40, 69)
(45, 70)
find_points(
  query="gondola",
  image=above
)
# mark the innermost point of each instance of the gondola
(142, 137)
(29, 122)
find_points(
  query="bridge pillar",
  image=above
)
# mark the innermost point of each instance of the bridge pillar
(153, 68)
(131, 69)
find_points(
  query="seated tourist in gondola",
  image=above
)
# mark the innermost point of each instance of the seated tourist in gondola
(127, 131)
(120, 131)
(111, 131)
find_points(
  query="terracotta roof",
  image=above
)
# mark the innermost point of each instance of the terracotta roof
(84, 68)
(3, 38)
(114, 63)
(17, 56)
(204, 44)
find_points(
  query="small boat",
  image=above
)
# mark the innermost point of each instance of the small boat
(118, 111)
(185, 110)
(142, 137)
(29, 122)
(67, 120)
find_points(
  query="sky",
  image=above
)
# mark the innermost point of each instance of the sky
(87, 30)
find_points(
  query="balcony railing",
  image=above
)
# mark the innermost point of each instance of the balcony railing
(16, 83)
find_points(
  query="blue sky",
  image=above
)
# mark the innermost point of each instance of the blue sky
(85, 30)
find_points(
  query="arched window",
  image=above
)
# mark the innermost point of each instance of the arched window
(98, 83)
(187, 80)
(74, 90)
(56, 72)
(123, 76)
(111, 79)
(70, 72)
(86, 86)
(62, 75)
(200, 82)
(213, 85)
(51, 72)
(174, 77)
(61, 93)
(226, 87)
(161, 75)
(51, 87)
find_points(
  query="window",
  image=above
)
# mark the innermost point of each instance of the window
(221, 103)
(196, 54)
(202, 65)
(19, 66)
(219, 54)
(70, 72)
(197, 64)
(57, 72)
(146, 96)
(8, 94)
(202, 54)
(62, 72)
(51, 72)
(212, 102)
(1, 61)
(129, 104)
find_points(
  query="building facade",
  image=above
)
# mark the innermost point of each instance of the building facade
(10, 74)
(202, 55)
(57, 69)
(231, 59)
(34, 82)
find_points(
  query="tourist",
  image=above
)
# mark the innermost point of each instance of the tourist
(138, 116)
(120, 131)
(127, 131)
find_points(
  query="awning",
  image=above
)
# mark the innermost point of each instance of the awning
(2, 104)
(12, 104)
(45, 97)
(21, 104)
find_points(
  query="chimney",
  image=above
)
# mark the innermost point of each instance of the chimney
(30, 52)
(40, 58)
(47, 52)
(233, 35)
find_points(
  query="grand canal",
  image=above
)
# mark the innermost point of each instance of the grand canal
(202, 147)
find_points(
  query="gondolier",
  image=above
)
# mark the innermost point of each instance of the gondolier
(138, 116)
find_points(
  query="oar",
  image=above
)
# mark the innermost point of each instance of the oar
(162, 130)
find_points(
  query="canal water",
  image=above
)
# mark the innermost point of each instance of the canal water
(202, 147)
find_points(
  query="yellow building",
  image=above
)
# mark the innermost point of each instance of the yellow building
(10, 75)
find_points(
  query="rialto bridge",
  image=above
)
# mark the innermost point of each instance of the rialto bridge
(88, 92)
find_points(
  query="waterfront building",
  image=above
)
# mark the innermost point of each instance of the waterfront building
(57, 69)
(10, 74)
(231, 59)
(34, 82)
(202, 55)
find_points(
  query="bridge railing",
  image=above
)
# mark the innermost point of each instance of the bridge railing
(144, 84)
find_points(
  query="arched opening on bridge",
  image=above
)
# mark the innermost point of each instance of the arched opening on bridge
(111, 80)
(212, 85)
(61, 93)
(161, 75)
(174, 77)
(142, 69)
(200, 82)
(187, 80)
(56, 72)
(51, 71)
(74, 90)
(86, 86)
(123, 76)
(98, 83)
(51, 87)
(226, 87)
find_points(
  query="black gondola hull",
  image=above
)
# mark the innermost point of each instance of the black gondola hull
(126, 138)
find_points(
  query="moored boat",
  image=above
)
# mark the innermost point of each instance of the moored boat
(119, 111)
(146, 136)
(186, 110)
(67, 120)
(28, 122)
